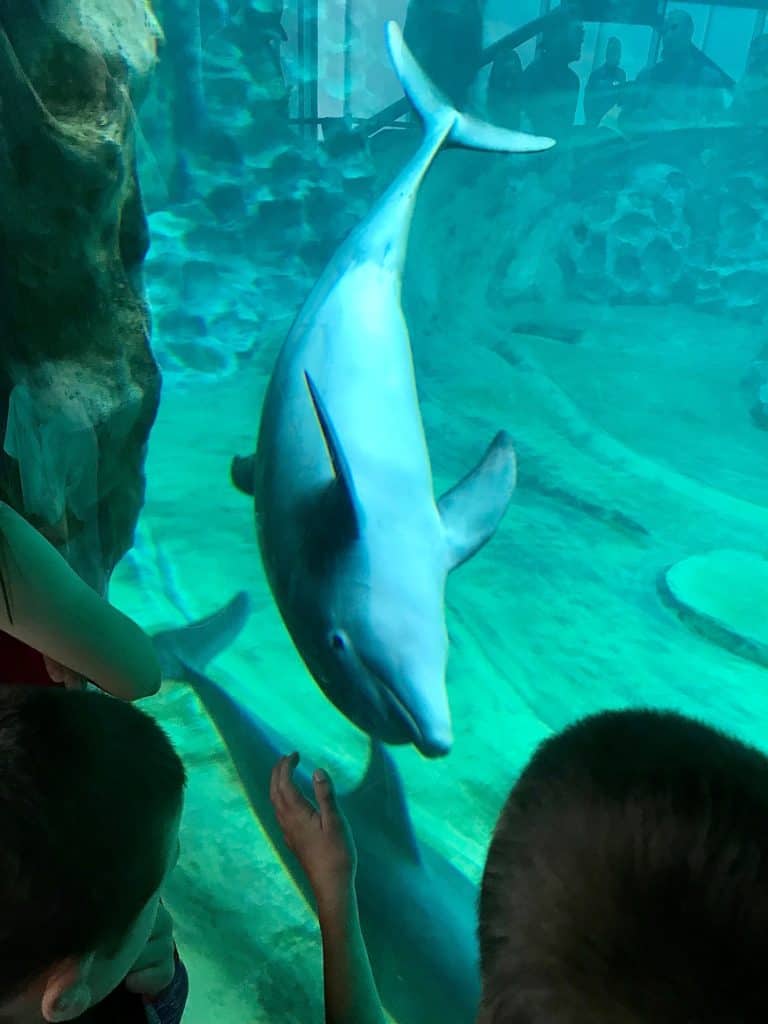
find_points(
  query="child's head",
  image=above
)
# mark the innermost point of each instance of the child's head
(91, 794)
(627, 880)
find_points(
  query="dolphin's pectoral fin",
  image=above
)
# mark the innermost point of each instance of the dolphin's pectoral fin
(345, 485)
(242, 471)
(381, 795)
(473, 509)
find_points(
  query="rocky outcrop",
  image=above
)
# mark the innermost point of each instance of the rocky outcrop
(80, 386)
(219, 98)
(676, 218)
(246, 209)
(681, 218)
(227, 273)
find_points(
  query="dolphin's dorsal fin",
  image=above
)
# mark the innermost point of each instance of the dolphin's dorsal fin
(344, 485)
(197, 643)
(473, 509)
(381, 796)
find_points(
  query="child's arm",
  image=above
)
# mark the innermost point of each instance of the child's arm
(350, 990)
(322, 841)
(54, 611)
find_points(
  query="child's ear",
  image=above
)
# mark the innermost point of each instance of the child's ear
(67, 992)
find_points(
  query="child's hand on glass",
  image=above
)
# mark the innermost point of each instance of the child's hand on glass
(320, 837)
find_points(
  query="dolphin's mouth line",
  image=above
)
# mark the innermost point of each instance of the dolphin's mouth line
(397, 703)
(401, 709)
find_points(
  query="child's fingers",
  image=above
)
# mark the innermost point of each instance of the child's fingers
(273, 782)
(277, 779)
(288, 801)
(325, 794)
(284, 776)
(294, 800)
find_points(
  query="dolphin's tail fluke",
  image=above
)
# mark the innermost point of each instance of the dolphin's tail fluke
(432, 105)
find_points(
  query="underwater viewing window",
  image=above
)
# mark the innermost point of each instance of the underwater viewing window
(402, 369)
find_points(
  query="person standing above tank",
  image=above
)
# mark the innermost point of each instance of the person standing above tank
(684, 87)
(446, 38)
(750, 100)
(550, 86)
(603, 90)
(504, 93)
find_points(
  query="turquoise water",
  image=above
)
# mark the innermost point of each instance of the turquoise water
(606, 305)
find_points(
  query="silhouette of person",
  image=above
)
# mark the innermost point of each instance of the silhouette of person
(446, 38)
(684, 87)
(603, 90)
(503, 98)
(550, 87)
(750, 101)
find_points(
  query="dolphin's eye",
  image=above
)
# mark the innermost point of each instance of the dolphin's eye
(338, 641)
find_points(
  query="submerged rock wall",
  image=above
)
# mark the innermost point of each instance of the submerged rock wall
(676, 220)
(80, 386)
(245, 213)
(680, 218)
(245, 206)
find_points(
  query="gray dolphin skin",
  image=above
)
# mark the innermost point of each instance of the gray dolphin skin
(354, 546)
(417, 912)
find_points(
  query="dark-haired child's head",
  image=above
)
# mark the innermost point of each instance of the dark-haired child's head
(91, 794)
(627, 879)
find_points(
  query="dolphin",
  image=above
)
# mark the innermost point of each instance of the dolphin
(417, 911)
(355, 548)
